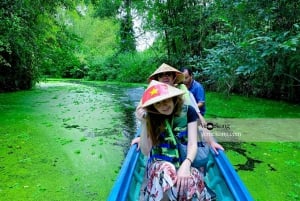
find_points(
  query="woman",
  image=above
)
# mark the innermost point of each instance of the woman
(169, 177)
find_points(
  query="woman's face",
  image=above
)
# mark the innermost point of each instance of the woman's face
(166, 77)
(165, 107)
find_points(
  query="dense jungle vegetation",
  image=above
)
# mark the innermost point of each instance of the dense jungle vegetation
(235, 46)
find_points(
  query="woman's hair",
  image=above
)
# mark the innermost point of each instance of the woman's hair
(155, 120)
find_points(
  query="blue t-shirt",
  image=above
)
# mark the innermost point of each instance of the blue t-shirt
(198, 91)
(191, 114)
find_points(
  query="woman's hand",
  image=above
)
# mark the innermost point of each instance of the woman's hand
(136, 141)
(183, 176)
(140, 114)
(215, 146)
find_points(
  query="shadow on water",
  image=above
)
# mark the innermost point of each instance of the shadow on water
(250, 163)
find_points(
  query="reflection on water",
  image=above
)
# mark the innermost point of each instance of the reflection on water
(128, 99)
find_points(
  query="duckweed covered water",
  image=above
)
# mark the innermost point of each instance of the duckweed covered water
(270, 170)
(64, 141)
(268, 166)
(60, 141)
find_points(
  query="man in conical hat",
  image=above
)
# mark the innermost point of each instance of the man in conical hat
(170, 75)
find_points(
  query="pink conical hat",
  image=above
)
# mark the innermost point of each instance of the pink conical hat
(158, 91)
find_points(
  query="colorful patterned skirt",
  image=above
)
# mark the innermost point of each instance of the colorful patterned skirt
(161, 184)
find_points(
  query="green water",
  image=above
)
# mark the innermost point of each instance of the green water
(270, 169)
(64, 141)
(59, 141)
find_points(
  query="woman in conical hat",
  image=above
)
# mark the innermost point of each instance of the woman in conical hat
(168, 175)
(165, 71)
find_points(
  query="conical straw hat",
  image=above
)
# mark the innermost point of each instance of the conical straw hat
(167, 68)
(158, 91)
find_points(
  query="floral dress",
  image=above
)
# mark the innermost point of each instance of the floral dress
(161, 181)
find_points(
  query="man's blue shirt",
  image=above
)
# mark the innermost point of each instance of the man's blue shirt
(198, 91)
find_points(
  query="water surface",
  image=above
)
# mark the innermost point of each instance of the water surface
(64, 141)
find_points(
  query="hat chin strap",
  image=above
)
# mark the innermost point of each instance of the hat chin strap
(173, 81)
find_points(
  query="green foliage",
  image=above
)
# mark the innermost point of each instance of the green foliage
(101, 69)
(16, 47)
(19, 47)
(246, 47)
(127, 39)
(76, 43)
(180, 26)
(253, 55)
(219, 67)
(135, 67)
(120, 10)
(125, 67)
(98, 35)
(107, 8)
(59, 48)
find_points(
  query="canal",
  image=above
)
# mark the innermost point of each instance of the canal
(66, 140)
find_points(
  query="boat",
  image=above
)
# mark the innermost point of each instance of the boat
(222, 180)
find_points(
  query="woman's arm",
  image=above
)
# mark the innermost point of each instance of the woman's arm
(192, 140)
(140, 112)
(208, 136)
(211, 141)
(145, 142)
(184, 171)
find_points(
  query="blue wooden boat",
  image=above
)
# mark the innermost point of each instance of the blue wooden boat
(221, 178)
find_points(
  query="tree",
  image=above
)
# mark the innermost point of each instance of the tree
(18, 43)
(263, 37)
(127, 38)
(120, 10)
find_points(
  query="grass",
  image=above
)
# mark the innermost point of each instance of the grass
(235, 106)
